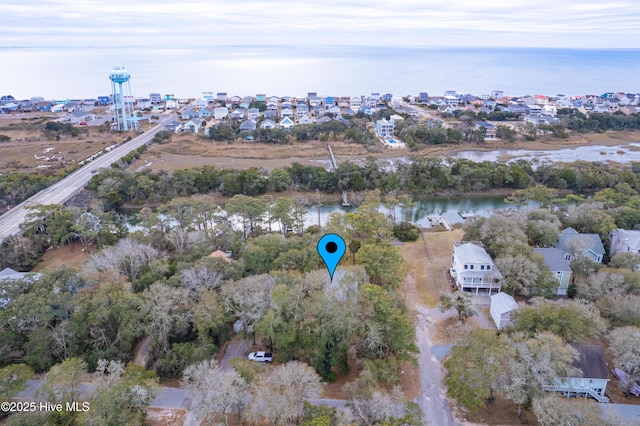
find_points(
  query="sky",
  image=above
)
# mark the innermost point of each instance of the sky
(466, 23)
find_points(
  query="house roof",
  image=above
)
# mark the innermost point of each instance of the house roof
(248, 125)
(631, 238)
(472, 253)
(554, 259)
(502, 303)
(591, 362)
(568, 234)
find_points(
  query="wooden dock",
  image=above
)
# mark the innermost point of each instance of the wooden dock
(334, 163)
(440, 220)
(468, 216)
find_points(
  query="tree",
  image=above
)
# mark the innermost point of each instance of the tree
(539, 360)
(213, 391)
(460, 301)
(289, 386)
(625, 260)
(165, 310)
(248, 299)
(625, 348)
(552, 410)
(122, 394)
(62, 384)
(127, 257)
(383, 262)
(476, 367)
(13, 379)
(571, 320)
(520, 273)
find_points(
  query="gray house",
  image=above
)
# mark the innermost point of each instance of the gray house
(248, 125)
(574, 244)
(559, 266)
(592, 378)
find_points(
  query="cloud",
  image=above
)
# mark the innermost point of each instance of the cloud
(570, 23)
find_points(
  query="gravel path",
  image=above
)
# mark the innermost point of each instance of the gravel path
(433, 399)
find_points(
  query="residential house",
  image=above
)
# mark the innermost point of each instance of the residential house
(534, 109)
(574, 244)
(423, 97)
(286, 104)
(248, 100)
(490, 129)
(517, 109)
(592, 378)
(78, 117)
(237, 114)
(43, 106)
(8, 274)
(105, 100)
(205, 113)
(286, 112)
(191, 126)
(396, 101)
(7, 99)
(272, 106)
(366, 109)
(286, 123)
(318, 111)
(473, 269)
(221, 96)
(170, 104)
(208, 96)
(173, 126)
(261, 97)
(497, 94)
(387, 97)
(502, 304)
(329, 101)
(538, 120)
(370, 102)
(267, 124)
(384, 128)
(244, 105)
(349, 111)
(271, 114)
(188, 113)
(274, 99)
(305, 119)
(451, 100)
(302, 110)
(355, 101)
(323, 119)
(559, 266)
(248, 125)
(343, 103)
(156, 98)
(450, 93)
(334, 109)
(201, 103)
(220, 113)
(625, 241)
(144, 103)
(235, 99)
(253, 114)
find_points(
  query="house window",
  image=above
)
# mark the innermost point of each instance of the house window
(567, 257)
(482, 267)
(471, 267)
(488, 267)
(466, 266)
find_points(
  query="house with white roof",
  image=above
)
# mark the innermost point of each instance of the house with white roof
(555, 260)
(473, 269)
(286, 123)
(267, 124)
(502, 304)
(384, 128)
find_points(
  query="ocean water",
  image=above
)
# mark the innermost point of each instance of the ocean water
(60, 73)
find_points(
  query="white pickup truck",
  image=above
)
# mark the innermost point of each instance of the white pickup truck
(261, 357)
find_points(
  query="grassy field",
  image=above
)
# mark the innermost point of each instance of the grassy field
(428, 259)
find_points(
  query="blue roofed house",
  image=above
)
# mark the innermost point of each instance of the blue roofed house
(473, 269)
(558, 265)
(574, 245)
(591, 378)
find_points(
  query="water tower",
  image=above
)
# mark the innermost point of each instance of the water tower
(123, 118)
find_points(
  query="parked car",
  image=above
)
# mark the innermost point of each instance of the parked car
(261, 357)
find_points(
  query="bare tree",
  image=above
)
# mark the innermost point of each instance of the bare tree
(201, 276)
(127, 257)
(213, 391)
(625, 347)
(282, 390)
(249, 298)
(166, 310)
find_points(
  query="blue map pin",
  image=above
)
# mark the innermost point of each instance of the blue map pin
(331, 248)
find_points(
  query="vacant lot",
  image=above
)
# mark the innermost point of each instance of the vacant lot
(31, 149)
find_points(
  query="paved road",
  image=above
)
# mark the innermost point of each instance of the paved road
(61, 191)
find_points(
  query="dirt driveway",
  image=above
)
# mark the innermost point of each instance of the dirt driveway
(236, 348)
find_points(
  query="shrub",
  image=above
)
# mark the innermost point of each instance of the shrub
(406, 231)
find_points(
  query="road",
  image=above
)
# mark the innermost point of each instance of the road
(61, 191)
